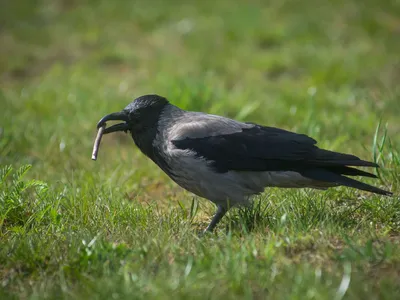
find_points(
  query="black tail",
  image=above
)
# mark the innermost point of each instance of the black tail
(335, 175)
(344, 170)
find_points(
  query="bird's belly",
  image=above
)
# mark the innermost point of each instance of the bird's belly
(220, 190)
(196, 176)
(237, 187)
(233, 187)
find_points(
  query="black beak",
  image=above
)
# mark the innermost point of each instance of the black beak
(118, 116)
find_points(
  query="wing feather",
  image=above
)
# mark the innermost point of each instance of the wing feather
(262, 148)
(259, 148)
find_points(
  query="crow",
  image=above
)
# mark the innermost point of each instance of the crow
(228, 162)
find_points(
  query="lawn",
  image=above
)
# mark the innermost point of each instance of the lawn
(118, 228)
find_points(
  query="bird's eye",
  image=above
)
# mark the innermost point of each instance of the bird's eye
(131, 112)
(135, 114)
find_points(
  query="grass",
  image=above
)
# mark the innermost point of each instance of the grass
(119, 228)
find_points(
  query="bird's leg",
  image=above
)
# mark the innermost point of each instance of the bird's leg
(221, 211)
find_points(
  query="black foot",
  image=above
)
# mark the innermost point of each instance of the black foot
(221, 211)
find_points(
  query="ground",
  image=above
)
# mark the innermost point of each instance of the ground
(118, 228)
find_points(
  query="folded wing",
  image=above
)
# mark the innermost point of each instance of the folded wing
(259, 148)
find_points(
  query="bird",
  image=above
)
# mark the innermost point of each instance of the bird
(229, 162)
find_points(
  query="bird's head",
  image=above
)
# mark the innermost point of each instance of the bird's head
(141, 114)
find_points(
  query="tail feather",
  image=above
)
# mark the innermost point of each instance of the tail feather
(332, 158)
(343, 170)
(354, 163)
(328, 176)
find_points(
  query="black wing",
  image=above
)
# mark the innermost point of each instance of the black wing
(262, 148)
(266, 149)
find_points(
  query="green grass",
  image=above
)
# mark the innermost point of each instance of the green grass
(118, 228)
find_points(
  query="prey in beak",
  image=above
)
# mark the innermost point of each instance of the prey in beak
(102, 128)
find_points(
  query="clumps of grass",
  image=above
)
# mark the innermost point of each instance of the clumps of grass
(257, 215)
(373, 250)
(386, 155)
(97, 252)
(21, 200)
